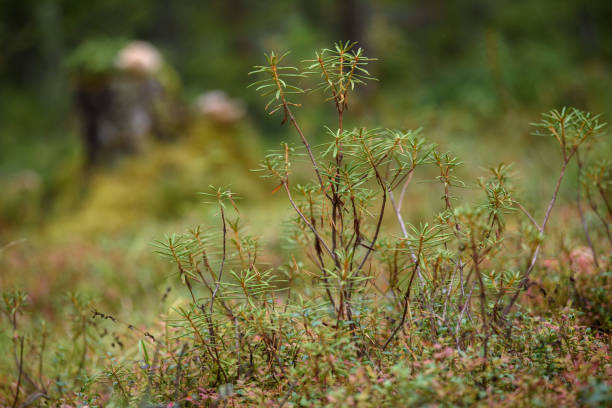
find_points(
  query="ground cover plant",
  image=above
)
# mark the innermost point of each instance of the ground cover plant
(488, 302)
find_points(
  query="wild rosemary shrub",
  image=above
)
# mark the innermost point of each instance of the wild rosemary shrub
(396, 314)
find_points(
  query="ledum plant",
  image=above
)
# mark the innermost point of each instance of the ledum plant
(362, 173)
(362, 308)
(379, 283)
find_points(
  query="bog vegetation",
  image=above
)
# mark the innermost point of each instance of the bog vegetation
(490, 302)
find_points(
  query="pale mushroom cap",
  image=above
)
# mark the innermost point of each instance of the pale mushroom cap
(139, 57)
(219, 107)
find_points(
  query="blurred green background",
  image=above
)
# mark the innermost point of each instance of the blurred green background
(473, 73)
(114, 114)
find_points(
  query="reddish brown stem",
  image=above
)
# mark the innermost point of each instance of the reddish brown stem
(536, 252)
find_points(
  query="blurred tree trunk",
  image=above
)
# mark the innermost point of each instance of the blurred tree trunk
(121, 114)
(346, 20)
(352, 24)
(237, 12)
(93, 101)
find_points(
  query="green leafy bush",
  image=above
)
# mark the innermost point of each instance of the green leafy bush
(367, 309)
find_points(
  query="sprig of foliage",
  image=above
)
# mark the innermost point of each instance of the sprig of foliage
(361, 306)
(277, 86)
(340, 69)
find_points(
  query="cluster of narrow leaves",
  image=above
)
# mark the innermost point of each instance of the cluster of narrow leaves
(350, 289)
(366, 306)
(355, 288)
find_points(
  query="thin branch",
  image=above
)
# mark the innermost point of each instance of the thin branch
(312, 228)
(524, 210)
(289, 114)
(602, 193)
(375, 238)
(20, 368)
(450, 287)
(554, 197)
(483, 300)
(398, 214)
(534, 258)
(460, 318)
(214, 294)
(405, 188)
(581, 213)
(406, 298)
(593, 206)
